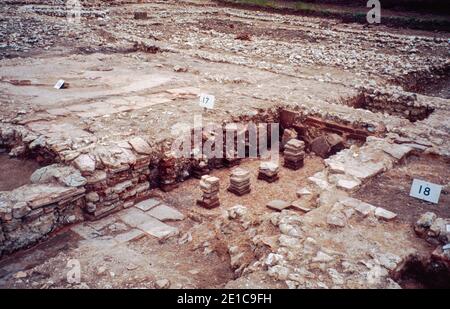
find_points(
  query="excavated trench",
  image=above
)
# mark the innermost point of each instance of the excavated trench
(399, 105)
(434, 82)
(423, 272)
(15, 172)
(416, 272)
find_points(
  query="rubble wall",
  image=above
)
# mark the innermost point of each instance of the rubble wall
(87, 184)
(55, 197)
(396, 103)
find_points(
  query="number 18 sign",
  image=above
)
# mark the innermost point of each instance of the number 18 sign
(425, 190)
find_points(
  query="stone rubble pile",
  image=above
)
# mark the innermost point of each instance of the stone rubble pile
(306, 200)
(350, 167)
(210, 188)
(433, 229)
(326, 145)
(239, 181)
(268, 171)
(341, 212)
(200, 166)
(294, 154)
(436, 231)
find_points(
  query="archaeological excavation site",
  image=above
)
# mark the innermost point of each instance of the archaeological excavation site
(215, 144)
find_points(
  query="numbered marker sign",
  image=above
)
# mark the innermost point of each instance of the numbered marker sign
(59, 84)
(207, 101)
(425, 191)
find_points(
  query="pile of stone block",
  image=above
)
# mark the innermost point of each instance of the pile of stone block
(294, 154)
(210, 188)
(167, 172)
(326, 145)
(239, 181)
(231, 159)
(433, 229)
(268, 171)
(112, 190)
(200, 167)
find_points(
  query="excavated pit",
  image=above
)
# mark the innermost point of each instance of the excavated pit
(222, 265)
(423, 272)
(398, 180)
(434, 82)
(399, 105)
(15, 172)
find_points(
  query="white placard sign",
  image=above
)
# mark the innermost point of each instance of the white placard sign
(447, 227)
(207, 101)
(59, 84)
(425, 190)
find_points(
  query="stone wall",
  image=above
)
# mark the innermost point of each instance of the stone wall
(86, 181)
(396, 102)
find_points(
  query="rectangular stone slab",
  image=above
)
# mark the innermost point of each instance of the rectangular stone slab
(148, 204)
(158, 229)
(134, 217)
(278, 205)
(165, 213)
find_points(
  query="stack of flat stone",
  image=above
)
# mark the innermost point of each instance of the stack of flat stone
(231, 159)
(167, 173)
(200, 168)
(210, 188)
(239, 181)
(294, 154)
(268, 171)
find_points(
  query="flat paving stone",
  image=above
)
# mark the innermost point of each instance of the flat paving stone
(384, 214)
(101, 242)
(158, 229)
(129, 236)
(301, 204)
(148, 204)
(278, 205)
(165, 213)
(85, 231)
(397, 151)
(134, 217)
(102, 223)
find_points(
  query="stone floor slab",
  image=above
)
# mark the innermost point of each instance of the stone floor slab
(134, 217)
(102, 223)
(129, 236)
(158, 229)
(85, 231)
(148, 204)
(165, 213)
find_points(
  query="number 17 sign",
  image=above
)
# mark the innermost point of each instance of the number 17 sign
(425, 190)
(207, 101)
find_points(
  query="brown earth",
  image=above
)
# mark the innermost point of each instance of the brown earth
(388, 190)
(15, 172)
